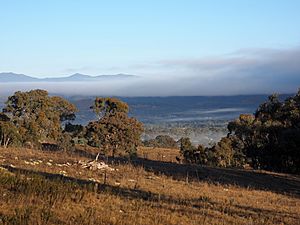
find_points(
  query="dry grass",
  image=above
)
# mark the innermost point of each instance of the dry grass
(149, 190)
(159, 154)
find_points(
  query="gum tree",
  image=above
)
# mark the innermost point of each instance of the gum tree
(114, 131)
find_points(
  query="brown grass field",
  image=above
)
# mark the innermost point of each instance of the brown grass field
(38, 187)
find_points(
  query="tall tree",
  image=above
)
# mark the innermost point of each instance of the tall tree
(271, 138)
(38, 116)
(114, 131)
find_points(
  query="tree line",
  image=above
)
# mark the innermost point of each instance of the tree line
(268, 139)
(34, 118)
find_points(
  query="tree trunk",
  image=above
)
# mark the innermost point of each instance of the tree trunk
(113, 154)
(97, 156)
(6, 143)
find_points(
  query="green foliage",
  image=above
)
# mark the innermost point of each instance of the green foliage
(223, 154)
(37, 116)
(188, 151)
(271, 138)
(108, 106)
(226, 154)
(76, 132)
(9, 134)
(65, 142)
(161, 141)
(114, 132)
(74, 129)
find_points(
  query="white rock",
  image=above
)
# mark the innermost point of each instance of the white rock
(95, 165)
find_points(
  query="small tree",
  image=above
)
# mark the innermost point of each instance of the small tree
(192, 154)
(226, 153)
(187, 150)
(202, 155)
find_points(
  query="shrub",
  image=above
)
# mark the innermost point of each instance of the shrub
(161, 141)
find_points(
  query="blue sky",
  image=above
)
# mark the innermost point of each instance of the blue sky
(61, 37)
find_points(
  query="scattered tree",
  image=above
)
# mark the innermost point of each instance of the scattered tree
(114, 131)
(37, 116)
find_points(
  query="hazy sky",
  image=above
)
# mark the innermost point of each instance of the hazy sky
(212, 40)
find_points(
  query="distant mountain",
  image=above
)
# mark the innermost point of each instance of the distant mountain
(74, 77)
(13, 77)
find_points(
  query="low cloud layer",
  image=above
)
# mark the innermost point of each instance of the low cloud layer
(250, 71)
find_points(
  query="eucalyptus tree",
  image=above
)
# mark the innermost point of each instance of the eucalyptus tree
(114, 131)
(37, 116)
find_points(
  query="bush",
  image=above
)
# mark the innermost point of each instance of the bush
(161, 141)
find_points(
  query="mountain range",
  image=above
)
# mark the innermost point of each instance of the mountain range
(13, 77)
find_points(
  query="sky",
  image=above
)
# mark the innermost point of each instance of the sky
(216, 47)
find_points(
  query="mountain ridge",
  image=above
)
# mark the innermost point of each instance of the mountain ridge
(15, 77)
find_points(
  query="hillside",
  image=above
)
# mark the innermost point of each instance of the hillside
(39, 187)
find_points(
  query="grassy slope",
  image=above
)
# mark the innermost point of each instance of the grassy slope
(151, 190)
